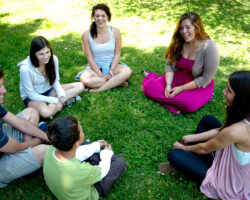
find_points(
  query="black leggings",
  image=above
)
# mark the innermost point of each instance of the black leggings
(193, 165)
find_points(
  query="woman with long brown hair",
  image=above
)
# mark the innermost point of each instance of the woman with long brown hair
(216, 156)
(192, 61)
(39, 80)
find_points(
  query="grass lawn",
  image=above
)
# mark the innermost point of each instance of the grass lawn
(139, 129)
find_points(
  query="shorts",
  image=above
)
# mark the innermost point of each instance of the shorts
(104, 70)
(16, 165)
(47, 93)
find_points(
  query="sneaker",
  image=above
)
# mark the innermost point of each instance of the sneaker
(166, 168)
(43, 126)
(71, 101)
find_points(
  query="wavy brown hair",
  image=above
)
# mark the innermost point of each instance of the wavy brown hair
(37, 44)
(174, 51)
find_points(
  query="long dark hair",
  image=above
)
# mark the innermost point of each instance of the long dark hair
(174, 51)
(105, 8)
(1, 73)
(240, 108)
(64, 132)
(37, 44)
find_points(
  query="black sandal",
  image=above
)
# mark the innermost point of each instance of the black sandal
(145, 73)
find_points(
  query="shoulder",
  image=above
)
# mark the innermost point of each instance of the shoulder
(237, 132)
(3, 111)
(25, 64)
(115, 31)
(55, 58)
(85, 35)
(209, 44)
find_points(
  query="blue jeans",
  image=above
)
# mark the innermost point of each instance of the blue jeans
(192, 165)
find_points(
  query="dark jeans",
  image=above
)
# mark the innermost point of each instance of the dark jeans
(193, 165)
(117, 167)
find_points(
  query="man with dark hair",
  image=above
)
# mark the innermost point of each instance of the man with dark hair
(21, 151)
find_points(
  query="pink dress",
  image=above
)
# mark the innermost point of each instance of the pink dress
(226, 179)
(187, 101)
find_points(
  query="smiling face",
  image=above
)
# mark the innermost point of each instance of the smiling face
(229, 94)
(2, 91)
(43, 55)
(100, 18)
(187, 30)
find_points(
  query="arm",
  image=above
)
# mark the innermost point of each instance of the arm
(177, 90)
(169, 78)
(57, 86)
(210, 65)
(89, 54)
(117, 53)
(105, 155)
(83, 152)
(24, 126)
(224, 138)
(12, 146)
(207, 135)
(25, 78)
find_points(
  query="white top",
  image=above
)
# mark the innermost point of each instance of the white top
(242, 157)
(33, 83)
(83, 152)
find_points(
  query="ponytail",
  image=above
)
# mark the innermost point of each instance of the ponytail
(93, 30)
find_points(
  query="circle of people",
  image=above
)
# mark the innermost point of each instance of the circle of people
(216, 156)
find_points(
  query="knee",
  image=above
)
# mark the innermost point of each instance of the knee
(120, 162)
(79, 86)
(39, 152)
(174, 156)
(45, 113)
(83, 79)
(31, 114)
(127, 72)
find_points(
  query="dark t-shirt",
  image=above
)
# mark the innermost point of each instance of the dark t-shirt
(3, 138)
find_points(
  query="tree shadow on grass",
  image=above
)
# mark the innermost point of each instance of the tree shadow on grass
(15, 43)
(224, 17)
(139, 129)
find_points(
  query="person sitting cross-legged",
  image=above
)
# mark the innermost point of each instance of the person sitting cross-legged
(21, 151)
(68, 173)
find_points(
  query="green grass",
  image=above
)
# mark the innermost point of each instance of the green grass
(139, 129)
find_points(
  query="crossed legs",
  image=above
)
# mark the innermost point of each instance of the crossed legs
(90, 79)
(47, 110)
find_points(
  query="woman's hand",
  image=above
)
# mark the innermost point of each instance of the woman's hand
(178, 145)
(63, 100)
(102, 143)
(186, 139)
(175, 91)
(59, 106)
(167, 90)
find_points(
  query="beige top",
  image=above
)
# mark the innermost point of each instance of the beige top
(205, 65)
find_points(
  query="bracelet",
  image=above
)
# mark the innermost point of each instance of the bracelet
(168, 84)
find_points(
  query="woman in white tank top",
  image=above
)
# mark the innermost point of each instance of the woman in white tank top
(102, 47)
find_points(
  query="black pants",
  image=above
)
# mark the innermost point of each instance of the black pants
(117, 168)
(193, 165)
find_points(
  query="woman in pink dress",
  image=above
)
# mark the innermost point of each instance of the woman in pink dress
(192, 63)
(227, 174)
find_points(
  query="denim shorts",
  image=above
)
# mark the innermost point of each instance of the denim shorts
(105, 69)
(47, 93)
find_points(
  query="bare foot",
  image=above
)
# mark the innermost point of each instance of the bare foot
(94, 90)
